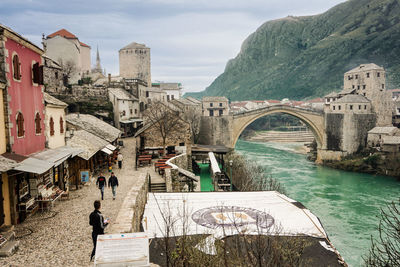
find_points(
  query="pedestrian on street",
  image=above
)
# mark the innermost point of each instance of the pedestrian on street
(101, 183)
(120, 158)
(96, 219)
(113, 182)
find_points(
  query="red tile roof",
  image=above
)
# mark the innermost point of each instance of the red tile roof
(83, 44)
(273, 101)
(64, 33)
(316, 100)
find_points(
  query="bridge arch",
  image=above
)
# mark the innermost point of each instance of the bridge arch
(313, 119)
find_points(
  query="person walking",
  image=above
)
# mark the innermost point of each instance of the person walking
(113, 183)
(101, 183)
(120, 158)
(96, 219)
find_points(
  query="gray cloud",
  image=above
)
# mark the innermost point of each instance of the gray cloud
(190, 41)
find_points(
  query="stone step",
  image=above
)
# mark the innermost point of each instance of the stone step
(158, 187)
(9, 248)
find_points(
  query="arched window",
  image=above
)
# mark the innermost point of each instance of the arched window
(16, 67)
(61, 125)
(20, 125)
(37, 124)
(51, 126)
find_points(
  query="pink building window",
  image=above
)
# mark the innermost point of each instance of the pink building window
(16, 67)
(37, 124)
(20, 125)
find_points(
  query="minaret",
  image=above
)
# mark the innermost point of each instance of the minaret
(98, 65)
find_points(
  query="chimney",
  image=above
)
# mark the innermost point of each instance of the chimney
(109, 78)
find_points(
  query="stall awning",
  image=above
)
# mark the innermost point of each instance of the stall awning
(34, 165)
(107, 151)
(111, 147)
(57, 155)
(6, 164)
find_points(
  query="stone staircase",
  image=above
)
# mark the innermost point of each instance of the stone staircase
(8, 244)
(158, 187)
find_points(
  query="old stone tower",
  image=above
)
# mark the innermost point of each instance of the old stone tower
(134, 62)
(369, 80)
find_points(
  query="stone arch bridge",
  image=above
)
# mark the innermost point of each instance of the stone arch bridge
(313, 119)
(337, 134)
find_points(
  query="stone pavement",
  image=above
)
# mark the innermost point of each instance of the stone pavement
(62, 236)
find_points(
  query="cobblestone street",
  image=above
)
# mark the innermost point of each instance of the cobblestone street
(62, 236)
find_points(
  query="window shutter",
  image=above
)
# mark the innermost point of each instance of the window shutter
(35, 72)
(41, 75)
(19, 71)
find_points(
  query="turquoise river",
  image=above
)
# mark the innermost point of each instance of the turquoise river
(346, 203)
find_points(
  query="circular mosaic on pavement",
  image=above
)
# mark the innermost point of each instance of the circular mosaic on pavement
(232, 216)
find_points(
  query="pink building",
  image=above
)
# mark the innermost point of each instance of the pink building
(24, 94)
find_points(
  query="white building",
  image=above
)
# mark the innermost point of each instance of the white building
(126, 111)
(172, 90)
(54, 121)
(66, 49)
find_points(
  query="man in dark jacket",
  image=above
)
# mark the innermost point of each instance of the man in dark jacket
(113, 182)
(96, 219)
(101, 183)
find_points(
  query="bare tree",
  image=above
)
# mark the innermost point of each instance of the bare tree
(168, 122)
(68, 67)
(247, 175)
(193, 117)
(385, 250)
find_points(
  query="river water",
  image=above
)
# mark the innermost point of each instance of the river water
(347, 203)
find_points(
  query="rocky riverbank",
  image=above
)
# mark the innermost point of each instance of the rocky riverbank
(378, 163)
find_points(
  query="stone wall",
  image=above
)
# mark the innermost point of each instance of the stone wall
(216, 131)
(347, 132)
(334, 131)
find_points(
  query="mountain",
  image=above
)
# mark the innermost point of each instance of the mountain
(304, 57)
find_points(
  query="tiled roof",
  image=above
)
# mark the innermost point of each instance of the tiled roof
(83, 44)
(88, 142)
(332, 94)
(94, 125)
(54, 101)
(194, 100)
(215, 98)
(383, 130)
(121, 94)
(63, 33)
(352, 99)
(365, 67)
(134, 45)
(273, 101)
(316, 100)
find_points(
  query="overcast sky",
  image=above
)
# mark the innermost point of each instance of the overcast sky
(190, 40)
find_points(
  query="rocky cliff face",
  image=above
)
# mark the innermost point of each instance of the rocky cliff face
(303, 57)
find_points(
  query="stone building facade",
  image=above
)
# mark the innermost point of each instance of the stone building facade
(53, 76)
(215, 106)
(369, 80)
(134, 62)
